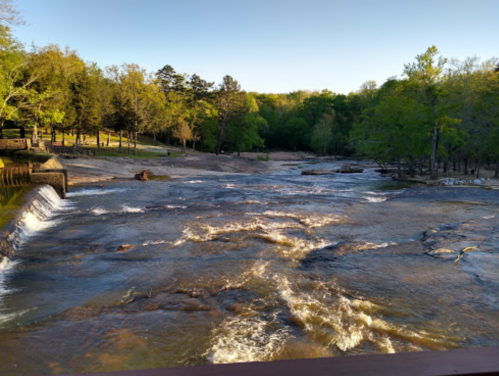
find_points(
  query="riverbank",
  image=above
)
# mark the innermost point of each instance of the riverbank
(454, 179)
(92, 170)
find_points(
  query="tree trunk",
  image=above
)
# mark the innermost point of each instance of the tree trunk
(434, 171)
(496, 175)
(420, 166)
(135, 144)
(98, 140)
(63, 138)
(128, 139)
(219, 144)
(193, 144)
(22, 132)
(108, 139)
(478, 166)
(121, 139)
(34, 137)
(77, 139)
(399, 167)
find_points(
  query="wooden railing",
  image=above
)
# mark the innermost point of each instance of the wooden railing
(13, 144)
(470, 362)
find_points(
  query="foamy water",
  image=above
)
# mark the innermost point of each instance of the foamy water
(94, 192)
(37, 217)
(251, 268)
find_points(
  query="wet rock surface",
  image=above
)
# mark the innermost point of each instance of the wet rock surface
(251, 268)
(350, 168)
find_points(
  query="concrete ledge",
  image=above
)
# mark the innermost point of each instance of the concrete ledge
(56, 179)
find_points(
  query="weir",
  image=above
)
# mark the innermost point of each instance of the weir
(42, 202)
(51, 172)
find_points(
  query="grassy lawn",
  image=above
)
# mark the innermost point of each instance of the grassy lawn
(141, 154)
(112, 150)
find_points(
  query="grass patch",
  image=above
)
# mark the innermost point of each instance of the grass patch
(115, 153)
(158, 177)
(263, 158)
(32, 156)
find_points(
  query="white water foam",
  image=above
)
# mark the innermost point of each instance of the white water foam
(245, 339)
(375, 199)
(94, 192)
(175, 206)
(37, 217)
(155, 242)
(193, 182)
(6, 267)
(98, 210)
(346, 323)
(130, 209)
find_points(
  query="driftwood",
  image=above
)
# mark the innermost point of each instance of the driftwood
(467, 249)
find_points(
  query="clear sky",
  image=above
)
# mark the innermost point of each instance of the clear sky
(267, 45)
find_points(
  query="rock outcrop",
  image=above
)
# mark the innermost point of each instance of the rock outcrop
(142, 176)
(350, 168)
(318, 172)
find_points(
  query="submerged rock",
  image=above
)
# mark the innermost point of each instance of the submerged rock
(350, 168)
(318, 172)
(125, 247)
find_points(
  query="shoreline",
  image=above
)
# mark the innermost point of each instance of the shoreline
(84, 171)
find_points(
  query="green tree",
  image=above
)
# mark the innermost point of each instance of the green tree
(426, 75)
(228, 99)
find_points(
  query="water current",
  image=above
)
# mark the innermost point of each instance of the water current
(247, 268)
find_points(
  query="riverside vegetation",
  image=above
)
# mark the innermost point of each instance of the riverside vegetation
(440, 113)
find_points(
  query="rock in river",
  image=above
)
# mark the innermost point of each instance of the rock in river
(350, 168)
(318, 172)
(142, 176)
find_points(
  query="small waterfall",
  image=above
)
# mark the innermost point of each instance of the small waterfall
(34, 217)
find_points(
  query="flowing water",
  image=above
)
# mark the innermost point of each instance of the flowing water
(247, 268)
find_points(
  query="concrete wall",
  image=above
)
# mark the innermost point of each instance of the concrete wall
(56, 179)
(54, 173)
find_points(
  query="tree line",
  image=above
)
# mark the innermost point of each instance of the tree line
(440, 113)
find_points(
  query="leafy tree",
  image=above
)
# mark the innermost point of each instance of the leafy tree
(86, 103)
(322, 134)
(426, 75)
(228, 99)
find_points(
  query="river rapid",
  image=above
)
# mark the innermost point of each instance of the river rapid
(247, 268)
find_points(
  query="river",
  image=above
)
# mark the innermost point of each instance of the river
(247, 268)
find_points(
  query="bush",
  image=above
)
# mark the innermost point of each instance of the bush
(264, 158)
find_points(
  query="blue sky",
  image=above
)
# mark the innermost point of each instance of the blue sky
(267, 45)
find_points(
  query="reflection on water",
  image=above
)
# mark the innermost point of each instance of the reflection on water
(250, 268)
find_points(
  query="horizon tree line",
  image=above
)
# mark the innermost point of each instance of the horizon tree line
(441, 112)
